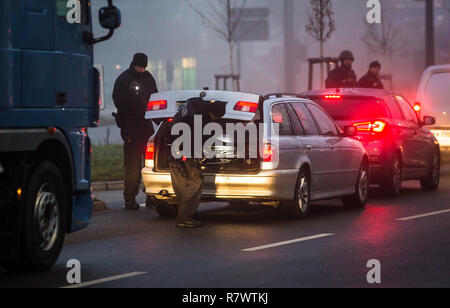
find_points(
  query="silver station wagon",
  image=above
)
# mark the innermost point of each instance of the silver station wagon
(307, 158)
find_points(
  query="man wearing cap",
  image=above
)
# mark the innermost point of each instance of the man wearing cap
(372, 79)
(131, 94)
(343, 76)
(186, 173)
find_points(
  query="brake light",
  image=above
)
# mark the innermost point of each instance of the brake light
(267, 153)
(150, 151)
(246, 107)
(374, 127)
(333, 97)
(156, 105)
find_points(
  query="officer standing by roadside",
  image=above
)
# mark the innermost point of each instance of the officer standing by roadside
(343, 76)
(372, 79)
(131, 94)
(186, 173)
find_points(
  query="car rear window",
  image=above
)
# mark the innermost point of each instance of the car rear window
(348, 108)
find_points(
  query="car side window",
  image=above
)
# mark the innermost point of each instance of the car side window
(281, 117)
(297, 126)
(393, 107)
(326, 125)
(306, 119)
(408, 111)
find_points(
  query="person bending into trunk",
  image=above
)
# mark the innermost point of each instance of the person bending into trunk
(186, 173)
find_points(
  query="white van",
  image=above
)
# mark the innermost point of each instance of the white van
(434, 97)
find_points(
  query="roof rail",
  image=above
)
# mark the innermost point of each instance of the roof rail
(279, 95)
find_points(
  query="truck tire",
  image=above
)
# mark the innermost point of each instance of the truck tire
(45, 212)
(164, 209)
(393, 184)
(359, 198)
(300, 207)
(431, 182)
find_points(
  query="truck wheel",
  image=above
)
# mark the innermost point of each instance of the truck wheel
(299, 208)
(164, 209)
(44, 229)
(431, 182)
(359, 198)
(393, 184)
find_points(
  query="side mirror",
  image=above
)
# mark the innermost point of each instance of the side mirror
(350, 131)
(427, 120)
(110, 17)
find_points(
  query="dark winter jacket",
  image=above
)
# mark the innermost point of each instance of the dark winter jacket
(342, 77)
(370, 81)
(132, 92)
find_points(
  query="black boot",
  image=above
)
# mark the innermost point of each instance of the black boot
(132, 205)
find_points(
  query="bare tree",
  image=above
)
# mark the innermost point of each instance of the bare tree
(223, 17)
(384, 39)
(321, 25)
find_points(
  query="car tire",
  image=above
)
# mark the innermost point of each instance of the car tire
(164, 209)
(44, 229)
(393, 184)
(300, 207)
(431, 182)
(359, 198)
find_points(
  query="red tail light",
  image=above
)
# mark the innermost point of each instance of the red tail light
(267, 153)
(150, 152)
(246, 107)
(156, 105)
(372, 127)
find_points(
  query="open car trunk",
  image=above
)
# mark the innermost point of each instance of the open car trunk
(230, 163)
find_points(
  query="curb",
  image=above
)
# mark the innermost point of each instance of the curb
(109, 186)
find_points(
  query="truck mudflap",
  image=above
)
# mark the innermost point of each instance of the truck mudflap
(82, 211)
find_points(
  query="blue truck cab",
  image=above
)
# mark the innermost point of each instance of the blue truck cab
(49, 97)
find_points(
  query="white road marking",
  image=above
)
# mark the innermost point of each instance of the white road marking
(424, 215)
(303, 239)
(104, 280)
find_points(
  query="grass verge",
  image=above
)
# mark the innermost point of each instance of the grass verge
(107, 163)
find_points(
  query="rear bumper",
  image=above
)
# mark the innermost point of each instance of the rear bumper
(266, 185)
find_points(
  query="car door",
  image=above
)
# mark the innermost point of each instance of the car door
(316, 148)
(416, 148)
(345, 157)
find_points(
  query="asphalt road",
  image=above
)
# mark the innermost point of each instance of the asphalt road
(329, 249)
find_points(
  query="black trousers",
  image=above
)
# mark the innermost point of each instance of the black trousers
(135, 135)
(187, 182)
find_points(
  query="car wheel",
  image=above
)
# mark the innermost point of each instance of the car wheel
(300, 207)
(393, 184)
(359, 198)
(163, 208)
(42, 235)
(431, 182)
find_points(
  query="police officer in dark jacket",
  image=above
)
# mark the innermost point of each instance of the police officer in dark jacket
(186, 173)
(372, 79)
(343, 76)
(131, 94)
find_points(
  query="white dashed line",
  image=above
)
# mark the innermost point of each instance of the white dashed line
(424, 215)
(303, 239)
(104, 280)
